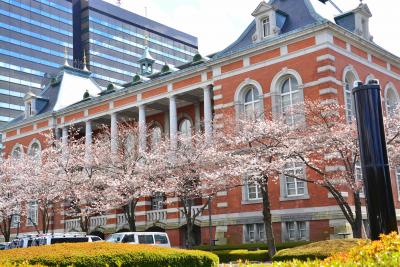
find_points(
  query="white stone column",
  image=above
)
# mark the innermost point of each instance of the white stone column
(166, 124)
(88, 138)
(173, 121)
(64, 136)
(197, 119)
(207, 113)
(114, 133)
(142, 127)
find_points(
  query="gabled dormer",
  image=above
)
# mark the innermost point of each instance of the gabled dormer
(357, 21)
(30, 104)
(269, 21)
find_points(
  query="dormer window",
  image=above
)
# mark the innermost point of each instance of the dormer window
(266, 27)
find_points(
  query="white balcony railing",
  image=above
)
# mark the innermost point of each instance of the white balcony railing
(121, 219)
(98, 221)
(72, 224)
(156, 215)
(195, 210)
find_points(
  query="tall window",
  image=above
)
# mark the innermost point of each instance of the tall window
(185, 127)
(253, 191)
(290, 96)
(157, 201)
(398, 181)
(17, 151)
(251, 103)
(349, 81)
(391, 101)
(34, 150)
(15, 220)
(293, 186)
(156, 135)
(358, 175)
(296, 230)
(32, 215)
(266, 27)
(254, 232)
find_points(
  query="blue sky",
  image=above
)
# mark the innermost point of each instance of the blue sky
(217, 23)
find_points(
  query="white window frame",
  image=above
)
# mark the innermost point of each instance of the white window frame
(296, 230)
(390, 110)
(257, 189)
(253, 104)
(295, 168)
(155, 140)
(266, 26)
(349, 77)
(15, 221)
(256, 230)
(157, 201)
(30, 150)
(398, 181)
(291, 120)
(14, 150)
(183, 129)
(358, 175)
(32, 209)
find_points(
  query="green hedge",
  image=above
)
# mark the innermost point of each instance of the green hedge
(252, 246)
(108, 254)
(317, 250)
(226, 256)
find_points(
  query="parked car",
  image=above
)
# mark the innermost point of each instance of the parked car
(5, 245)
(64, 238)
(151, 238)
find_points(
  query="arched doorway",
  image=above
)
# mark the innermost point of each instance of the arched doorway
(196, 236)
(98, 233)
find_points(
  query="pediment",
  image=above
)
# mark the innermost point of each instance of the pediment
(263, 7)
(364, 9)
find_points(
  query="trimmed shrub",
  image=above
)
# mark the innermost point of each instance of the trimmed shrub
(317, 250)
(252, 246)
(108, 254)
(243, 255)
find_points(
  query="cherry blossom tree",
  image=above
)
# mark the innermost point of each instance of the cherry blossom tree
(261, 150)
(195, 170)
(11, 187)
(127, 183)
(328, 146)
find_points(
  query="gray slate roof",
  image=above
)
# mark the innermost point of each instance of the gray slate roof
(299, 14)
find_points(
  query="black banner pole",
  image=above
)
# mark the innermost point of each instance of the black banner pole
(374, 159)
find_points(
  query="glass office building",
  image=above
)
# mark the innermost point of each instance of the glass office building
(114, 40)
(34, 35)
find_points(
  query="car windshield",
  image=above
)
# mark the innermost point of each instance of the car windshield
(115, 238)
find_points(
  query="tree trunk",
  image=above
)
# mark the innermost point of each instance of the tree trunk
(356, 227)
(45, 219)
(189, 233)
(84, 221)
(269, 232)
(129, 211)
(5, 228)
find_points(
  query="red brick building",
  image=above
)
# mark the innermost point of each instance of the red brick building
(287, 54)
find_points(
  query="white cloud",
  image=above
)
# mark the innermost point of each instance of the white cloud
(217, 23)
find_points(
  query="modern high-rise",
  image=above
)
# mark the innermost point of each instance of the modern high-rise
(34, 35)
(114, 40)
(37, 35)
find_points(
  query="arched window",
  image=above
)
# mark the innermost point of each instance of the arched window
(129, 143)
(156, 135)
(251, 103)
(34, 149)
(349, 80)
(290, 96)
(17, 151)
(391, 100)
(185, 127)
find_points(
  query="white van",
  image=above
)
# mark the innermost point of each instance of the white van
(150, 238)
(64, 238)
